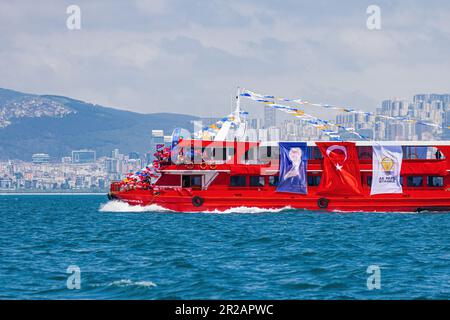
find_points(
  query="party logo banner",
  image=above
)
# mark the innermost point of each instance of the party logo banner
(386, 164)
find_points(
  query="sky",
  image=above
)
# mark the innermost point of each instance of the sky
(190, 56)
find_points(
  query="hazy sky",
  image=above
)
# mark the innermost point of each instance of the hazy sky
(188, 56)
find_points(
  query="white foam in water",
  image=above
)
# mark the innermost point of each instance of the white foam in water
(250, 210)
(127, 282)
(120, 206)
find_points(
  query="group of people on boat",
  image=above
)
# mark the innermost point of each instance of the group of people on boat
(142, 179)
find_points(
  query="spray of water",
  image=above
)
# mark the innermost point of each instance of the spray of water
(119, 206)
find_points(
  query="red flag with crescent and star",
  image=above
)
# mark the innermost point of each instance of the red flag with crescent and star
(341, 174)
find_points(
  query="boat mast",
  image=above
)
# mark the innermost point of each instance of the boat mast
(237, 111)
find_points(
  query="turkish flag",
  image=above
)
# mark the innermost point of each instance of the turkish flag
(340, 175)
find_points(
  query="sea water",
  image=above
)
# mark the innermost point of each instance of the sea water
(114, 251)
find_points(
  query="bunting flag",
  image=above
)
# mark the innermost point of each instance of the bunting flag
(324, 125)
(271, 99)
(209, 132)
(341, 174)
(386, 167)
(293, 163)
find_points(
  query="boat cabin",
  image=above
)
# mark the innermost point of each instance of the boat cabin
(199, 165)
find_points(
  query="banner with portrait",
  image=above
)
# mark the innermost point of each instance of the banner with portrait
(293, 163)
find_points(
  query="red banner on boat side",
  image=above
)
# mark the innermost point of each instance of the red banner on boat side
(341, 173)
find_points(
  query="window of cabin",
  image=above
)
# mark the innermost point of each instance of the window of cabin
(414, 181)
(238, 181)
(251, 156)
(273, 181)
(314, 181)
(268, 154)
(364, 152)
(257, 181)
(314, 153)
(369, 180)
(435, 181)
(191, 181)
(219, 154)
(422, 152)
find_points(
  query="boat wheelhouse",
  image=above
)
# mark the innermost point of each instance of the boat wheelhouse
(220, 175)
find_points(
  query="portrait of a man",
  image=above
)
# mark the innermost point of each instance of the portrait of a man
(292, 169)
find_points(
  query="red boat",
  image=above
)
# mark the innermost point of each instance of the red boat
(232, 174)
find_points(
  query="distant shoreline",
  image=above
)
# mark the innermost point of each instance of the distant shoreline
(33, 193)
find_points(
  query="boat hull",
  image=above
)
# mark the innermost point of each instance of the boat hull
(181, 201)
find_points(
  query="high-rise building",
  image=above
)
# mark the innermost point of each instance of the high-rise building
(255, 123)
(133, 155)
(446, 130)
(83, 156)
(157, 138)
(40, 158)
(270, 119)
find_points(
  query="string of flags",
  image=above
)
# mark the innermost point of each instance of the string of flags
(209, 132)
(321, 124)
(270, 100)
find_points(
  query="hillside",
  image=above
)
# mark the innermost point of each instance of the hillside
(56, 125)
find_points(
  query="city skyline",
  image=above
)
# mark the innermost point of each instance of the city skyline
(434, 108)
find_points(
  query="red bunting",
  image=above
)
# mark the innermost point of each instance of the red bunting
(341, 174)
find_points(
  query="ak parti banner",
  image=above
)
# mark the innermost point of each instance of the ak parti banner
(341, 174)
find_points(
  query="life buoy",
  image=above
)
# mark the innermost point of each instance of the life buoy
(197, 201)
(322, 203)
(212, 166)
(190, 166)
(203, 165)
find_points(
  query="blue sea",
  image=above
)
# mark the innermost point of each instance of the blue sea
(148, 253)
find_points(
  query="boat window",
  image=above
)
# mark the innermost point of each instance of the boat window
(190, 181)
(186, 181)
(219, 154)
(273, 181)
(369, 181)
(314, 181)
(257, 181)
(238, 181)
(250, 156)
(314, 153)
(364, 152)
(414, 181)
(435, 181)
(422, 152)
(267, 154)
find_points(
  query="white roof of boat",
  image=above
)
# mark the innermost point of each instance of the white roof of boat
(371, 143)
